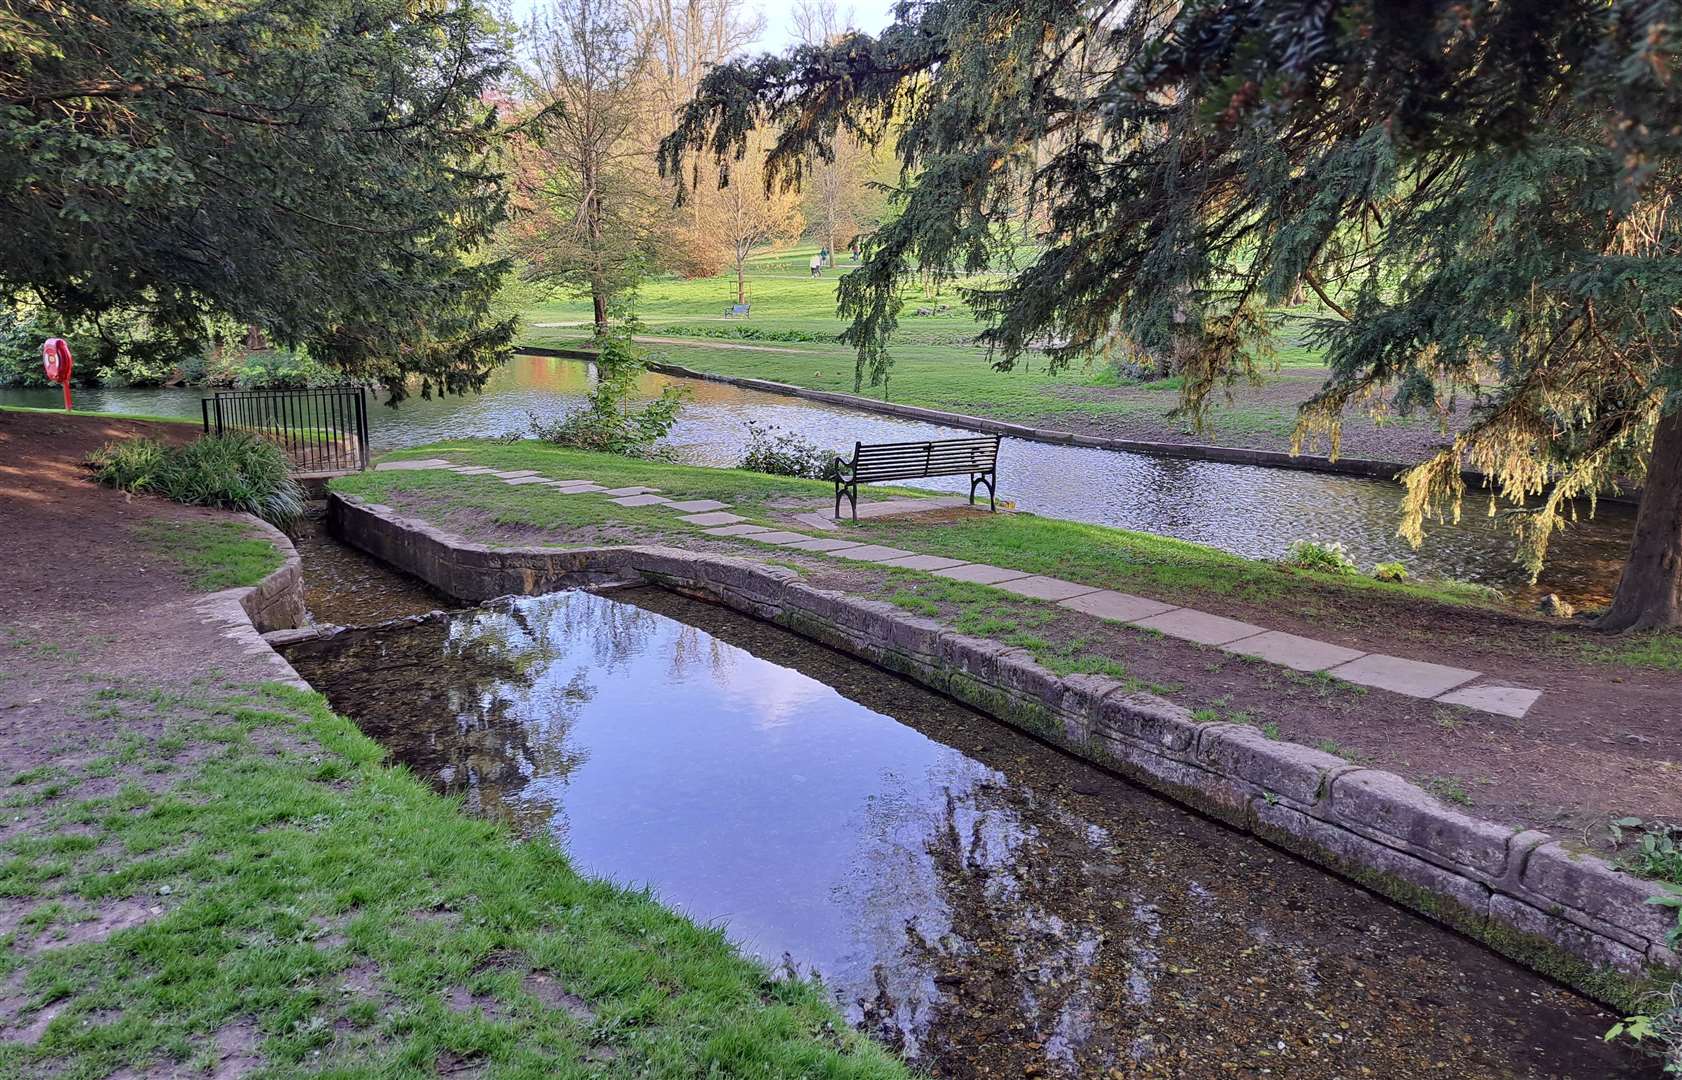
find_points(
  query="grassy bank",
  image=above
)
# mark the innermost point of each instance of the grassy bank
(791, 337)
(235, 881)
(1091, 554)
(212, 554)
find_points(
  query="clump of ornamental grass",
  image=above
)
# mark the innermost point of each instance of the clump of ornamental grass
(236, 471)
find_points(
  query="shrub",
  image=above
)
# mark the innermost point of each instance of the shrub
(781, 452)
(238, 471)
(1390, 571)
(132, 465)
(1330, 557)
(606, 423)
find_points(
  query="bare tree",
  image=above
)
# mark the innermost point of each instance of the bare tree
(752, 214)
(589, 206)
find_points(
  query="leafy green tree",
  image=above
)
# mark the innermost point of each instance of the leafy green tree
(322, 169)
(591, 215)
(1482, 194)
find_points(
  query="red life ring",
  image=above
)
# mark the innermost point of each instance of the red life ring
(55, 358)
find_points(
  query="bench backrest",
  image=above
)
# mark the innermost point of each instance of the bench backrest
(939, 457)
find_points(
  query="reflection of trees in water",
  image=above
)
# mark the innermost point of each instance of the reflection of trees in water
(1019, 963)
(483, 702)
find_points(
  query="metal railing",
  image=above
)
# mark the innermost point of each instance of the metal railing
(321, 429)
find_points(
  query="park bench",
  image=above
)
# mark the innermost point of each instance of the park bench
(977, 458)
(737, 311)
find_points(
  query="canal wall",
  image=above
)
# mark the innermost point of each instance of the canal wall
(1529, 895)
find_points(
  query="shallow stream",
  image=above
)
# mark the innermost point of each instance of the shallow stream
(981, 902)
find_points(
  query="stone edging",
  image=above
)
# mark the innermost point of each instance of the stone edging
(1568, 914)
(275, 603)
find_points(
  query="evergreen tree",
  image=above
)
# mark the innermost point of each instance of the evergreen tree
(321, 169)
(1483, 194)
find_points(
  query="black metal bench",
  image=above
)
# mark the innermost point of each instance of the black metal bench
(977, 458)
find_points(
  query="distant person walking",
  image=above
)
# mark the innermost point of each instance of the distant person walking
(817, 265)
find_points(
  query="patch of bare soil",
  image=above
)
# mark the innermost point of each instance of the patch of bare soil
(78, 594)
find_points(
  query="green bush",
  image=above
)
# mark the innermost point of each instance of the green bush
(606, 423)
(780, 452)
(132, 465)
(234, 472)
(1330, 557)
(267, 369)
(1390, 571)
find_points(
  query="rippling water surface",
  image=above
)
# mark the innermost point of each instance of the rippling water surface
(986, 905)
(1244, 509)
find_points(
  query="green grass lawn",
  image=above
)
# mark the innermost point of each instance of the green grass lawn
(213, 554)
(935, 364)
(1090, 554)
(283, 890)
(1173, 571)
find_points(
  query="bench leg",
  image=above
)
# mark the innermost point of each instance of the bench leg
(853, 497)
(978, 480)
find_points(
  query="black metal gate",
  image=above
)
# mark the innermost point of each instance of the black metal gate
(323, 429)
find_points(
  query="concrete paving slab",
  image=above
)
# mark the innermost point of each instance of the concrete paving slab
(1303, 654)
(642, 500)
(1115, 606)
(407, 466)
(824, 543)
(1190, 624)
(1416, 678)
(634, 489)
(696, 506)
(716, 517)
(577, 489)
(1039, 587)
(817, 519)
(1511, 701)
(981, 573)
(780, 537)
(925, 562)
(737, 530)
(474, 470)
(521, 480)
(513, 474)
(871, 553)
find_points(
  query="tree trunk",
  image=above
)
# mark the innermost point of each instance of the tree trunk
(741, 285)
(1650, 591)
(599, 299)
(254, 341)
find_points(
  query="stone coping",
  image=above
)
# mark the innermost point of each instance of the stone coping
(1567, 913)
(276, 603)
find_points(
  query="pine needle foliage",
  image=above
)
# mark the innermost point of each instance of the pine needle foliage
(1481, 195)
(325, 170)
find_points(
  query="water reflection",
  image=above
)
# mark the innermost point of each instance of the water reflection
(1243, 509)
(982, 903)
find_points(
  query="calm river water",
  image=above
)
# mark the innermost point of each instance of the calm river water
(1248, 510)
(982, 903)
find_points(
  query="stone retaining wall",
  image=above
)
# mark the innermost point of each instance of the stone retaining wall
(1566, 913)
(276, 602)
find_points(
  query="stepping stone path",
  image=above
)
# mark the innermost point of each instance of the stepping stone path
(1415, 678)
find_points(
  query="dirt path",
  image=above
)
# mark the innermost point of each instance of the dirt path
(83, 603)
